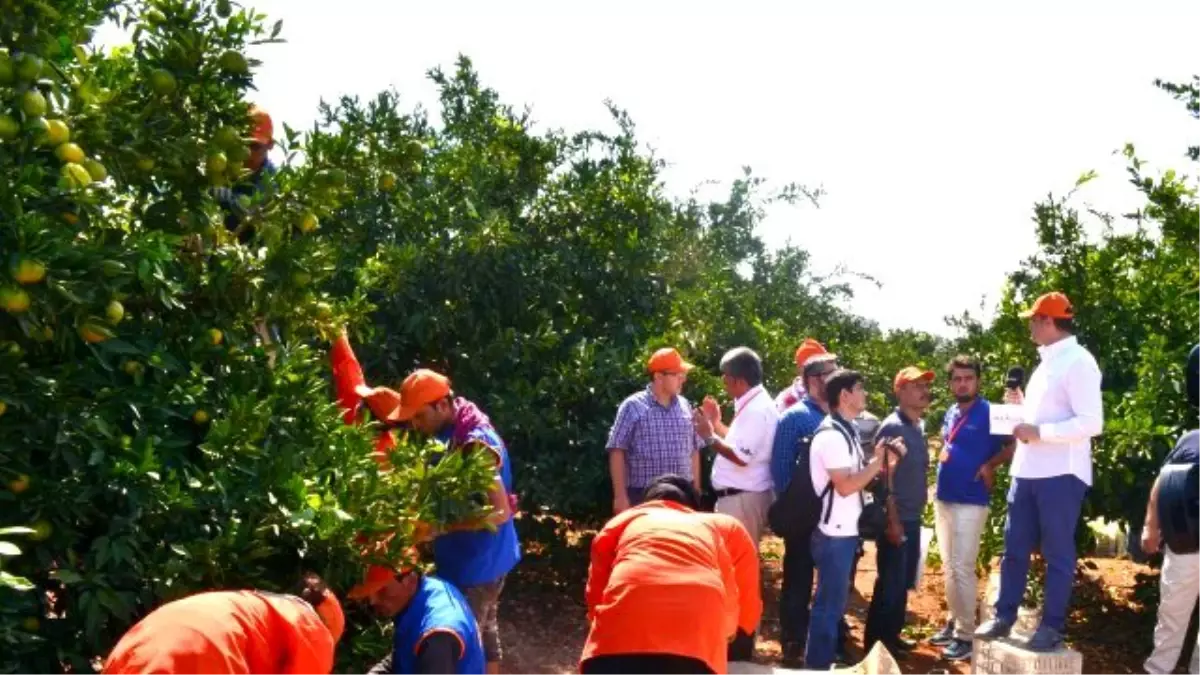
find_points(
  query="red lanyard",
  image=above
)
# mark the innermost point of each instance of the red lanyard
(739, 412)
(958, 425)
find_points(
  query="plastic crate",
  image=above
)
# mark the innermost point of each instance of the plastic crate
(1003, 656)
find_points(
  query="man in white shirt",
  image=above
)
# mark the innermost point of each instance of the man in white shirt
(839, 474)
(741, 471)
(1051, 470)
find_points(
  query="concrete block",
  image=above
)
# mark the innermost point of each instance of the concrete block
(1004, 656)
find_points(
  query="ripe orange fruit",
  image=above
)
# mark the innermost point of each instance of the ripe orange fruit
(200, 417)
(70, 152)
(387, 181)
(14, 299)
(70, 218)
(19, 484)
(309, 222)
(57, 132)
(76, 176)
(28, 271)
(94, 333)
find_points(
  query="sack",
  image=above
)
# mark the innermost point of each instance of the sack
(798, 510)
(1178, 503)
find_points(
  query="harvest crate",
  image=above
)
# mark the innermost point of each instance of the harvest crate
(1003, 656)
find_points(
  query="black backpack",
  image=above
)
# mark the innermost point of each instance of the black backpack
(798, 510)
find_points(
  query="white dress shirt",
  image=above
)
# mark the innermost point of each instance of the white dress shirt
(751, 435)
(1063, 400)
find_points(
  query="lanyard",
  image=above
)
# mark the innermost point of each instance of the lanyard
(958, 425)
(739, 411)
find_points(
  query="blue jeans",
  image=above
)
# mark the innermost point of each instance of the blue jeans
(796, 594)
(834, 558)
(1041, 511)
(897, 566)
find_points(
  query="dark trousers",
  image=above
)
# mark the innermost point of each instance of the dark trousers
(896, 571)
(643, 663)
(796, 595)
(1041, 511)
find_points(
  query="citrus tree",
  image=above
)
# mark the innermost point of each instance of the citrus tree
(166, 421)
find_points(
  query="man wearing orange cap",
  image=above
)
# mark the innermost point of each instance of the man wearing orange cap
(260, 168)
(653, 434)
(897, 558)
(354, 395)
(475, 557)
(235, 632)
(435, 629)
(1051, 470)
(795, 393)
(669, 586)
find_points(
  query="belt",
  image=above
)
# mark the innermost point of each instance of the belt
(728, 492)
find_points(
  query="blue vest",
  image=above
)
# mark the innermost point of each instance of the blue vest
(472, 558)
(437, 605)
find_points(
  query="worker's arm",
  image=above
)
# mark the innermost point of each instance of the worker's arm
(616, 469)
(439, 652)
(619, 439)
(347, 376)
(1151, 532)
(603, 554)
(743, 554)
(696, 480)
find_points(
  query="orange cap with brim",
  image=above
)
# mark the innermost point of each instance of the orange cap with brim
(1054, 305)
(912, 374)
(383, 402)
(419, 389)
(378, 576)
(668, 360)
(808, 349)
(262, 129)
(330, 611)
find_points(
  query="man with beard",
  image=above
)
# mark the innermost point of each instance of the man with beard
(965, 473)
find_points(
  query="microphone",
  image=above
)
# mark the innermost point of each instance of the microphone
(1016, 377)
(1193, 376)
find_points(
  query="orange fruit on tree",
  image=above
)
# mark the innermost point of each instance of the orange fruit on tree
(95, 169)
(75, 175)
(9, 127)
(33, 103)
(14, 299)
(19, 484)
(28, 271)
(70, 152)
(309, 222)
(114, 312)
(94, 333)
(200, 417)
(57, 132)
(42, 529)
(215, 336)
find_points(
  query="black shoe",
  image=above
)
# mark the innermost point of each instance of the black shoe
(905, 645)
(994, 629)
(793, 656)
(959, 650)
(1045, 639)
(944, 637)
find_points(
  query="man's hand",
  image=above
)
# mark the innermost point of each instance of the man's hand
(987, 474)
(711, 409)
(1026, 433)
(1151, 539)
(1014, 396)
(620, 503)
(891, 449)
(703, 425)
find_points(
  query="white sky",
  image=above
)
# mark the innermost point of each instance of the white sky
(932, 129)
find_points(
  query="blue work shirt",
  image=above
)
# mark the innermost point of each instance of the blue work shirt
(969, 448)
(437, 606)
(799, 421)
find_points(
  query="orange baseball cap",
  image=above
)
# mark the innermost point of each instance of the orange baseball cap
(330, 611)
(262, 129)
(808, 349)
(1054, 305)
(912, 374)
(421, 388)
(378, 576)
(383, 402)
(668, 359)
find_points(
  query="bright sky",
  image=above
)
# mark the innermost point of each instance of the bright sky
(933, 130)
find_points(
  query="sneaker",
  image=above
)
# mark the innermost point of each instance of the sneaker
(944, 637)
(959, 650)
(1046, 639)
(994, 629)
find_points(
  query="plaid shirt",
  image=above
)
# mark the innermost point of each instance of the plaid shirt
(656, 439)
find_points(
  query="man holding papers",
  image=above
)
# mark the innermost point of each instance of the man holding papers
(1051, 470)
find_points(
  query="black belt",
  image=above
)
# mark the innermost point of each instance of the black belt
(728, 492)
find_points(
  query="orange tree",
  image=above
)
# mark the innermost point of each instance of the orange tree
(151, 443)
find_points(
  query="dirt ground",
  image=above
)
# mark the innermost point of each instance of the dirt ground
(543, 618)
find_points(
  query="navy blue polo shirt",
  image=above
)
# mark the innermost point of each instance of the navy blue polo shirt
(1187, 450)
(970, 447)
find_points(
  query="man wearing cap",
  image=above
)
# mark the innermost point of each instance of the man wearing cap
(235, 632)
(741, 472)
(261, 169)
(653, 433)
(897, 561)
(800, 421)
(669, 586)
(794, 393)
(473, 556)
(1051, 470)
(435, 629)
(358, 400)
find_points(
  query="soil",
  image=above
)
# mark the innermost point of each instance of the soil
(543, 618)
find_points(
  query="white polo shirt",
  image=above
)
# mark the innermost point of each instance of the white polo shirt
(751, 435)
(830, 451)
(1063, 400)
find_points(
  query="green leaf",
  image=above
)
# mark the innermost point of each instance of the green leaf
(14, 582)
(9, 549)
